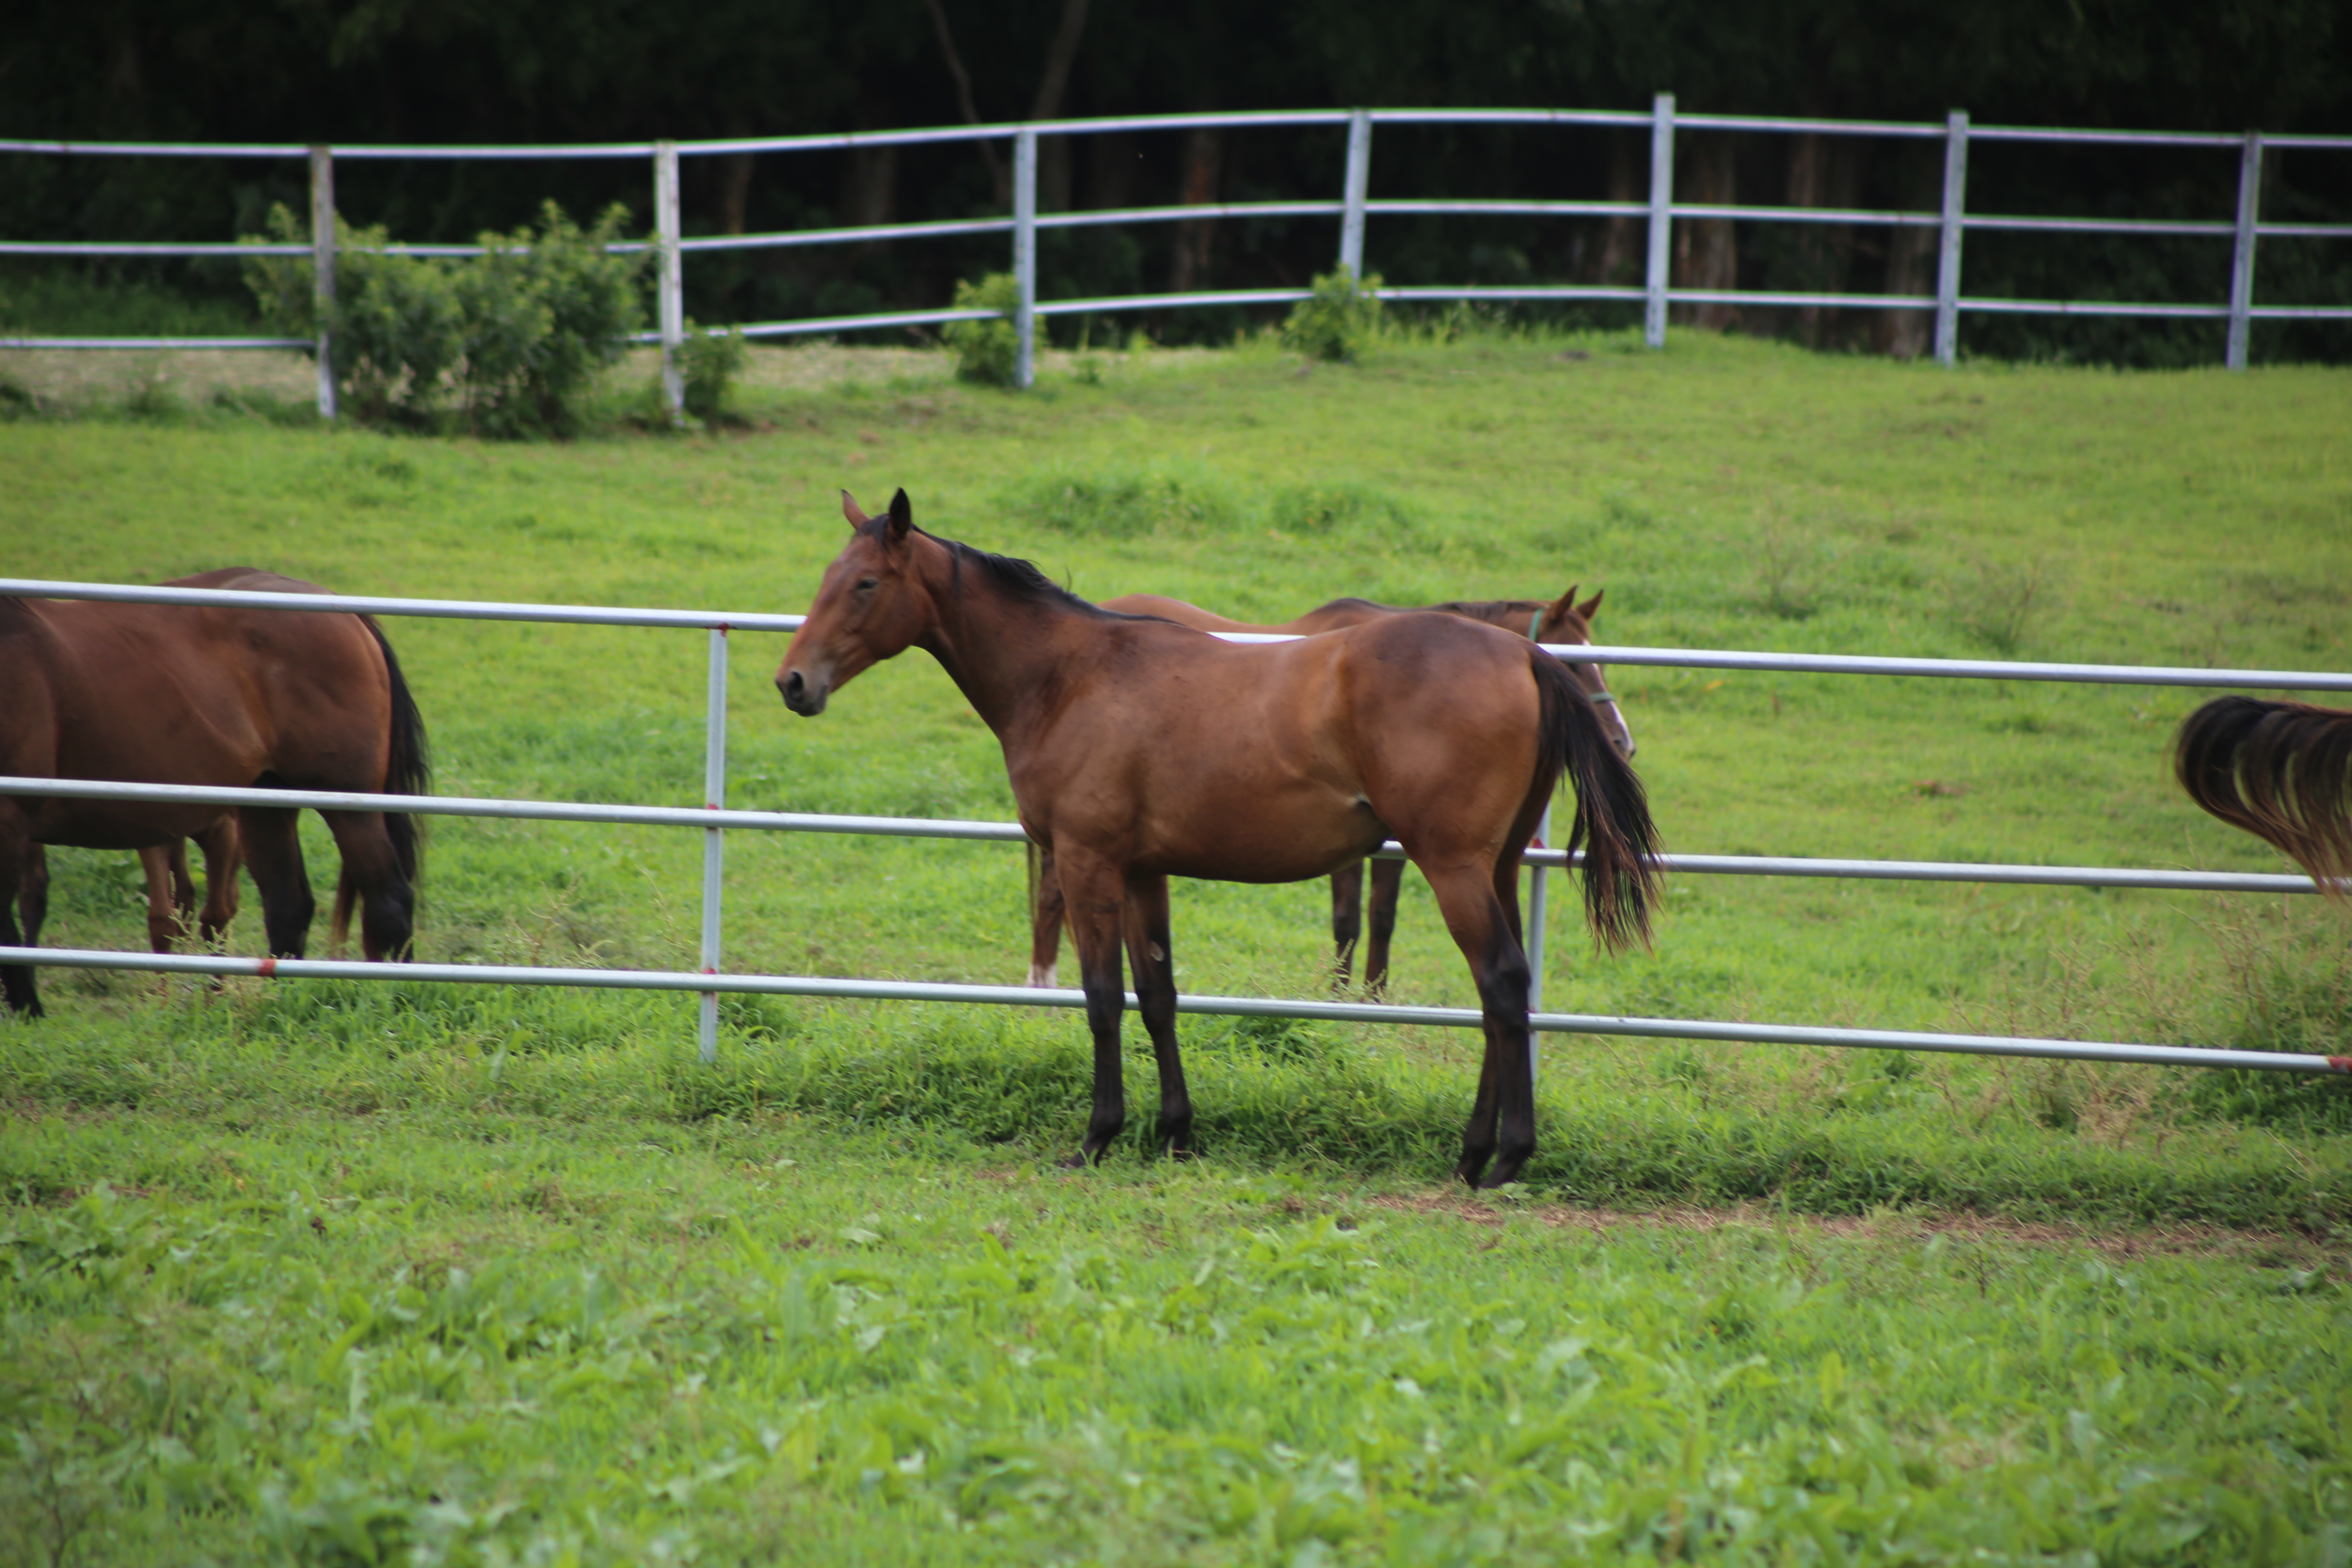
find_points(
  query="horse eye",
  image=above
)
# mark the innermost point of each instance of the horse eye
(868, 583)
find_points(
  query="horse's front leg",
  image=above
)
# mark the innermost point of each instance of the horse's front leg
(1094, 897)
(18, 855)
(1503, 1119)
(1149, 951)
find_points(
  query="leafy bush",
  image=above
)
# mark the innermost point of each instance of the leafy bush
(1338, 320)
(516, 335)
(987, 351)
(1125, 502)
(714, 358)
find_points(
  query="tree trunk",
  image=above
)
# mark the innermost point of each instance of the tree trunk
(1111, 163)
(869, 186)
(1622, 240)
(1053, 151)
(1706, 255)
(734, 191)
(1204, 152)
(1821, 173)
(1910, 269)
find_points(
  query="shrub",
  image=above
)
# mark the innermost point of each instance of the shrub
(1338, 320)
(988, 352)
(1125, 502)
(714, 358)
(517, 335)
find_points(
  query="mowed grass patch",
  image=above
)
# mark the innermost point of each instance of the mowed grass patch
(338, 1273)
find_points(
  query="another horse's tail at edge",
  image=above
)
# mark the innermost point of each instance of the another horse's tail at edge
(1613, 813)
(408, 770)
(2282, 771)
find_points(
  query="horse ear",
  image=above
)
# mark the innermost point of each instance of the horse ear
(1564, 605)
(1591, 606)
(853, 512)
(902, 516)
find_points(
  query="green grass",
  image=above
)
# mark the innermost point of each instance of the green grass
(561, 1298)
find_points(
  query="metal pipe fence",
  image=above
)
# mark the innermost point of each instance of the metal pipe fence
(714, 819)
(1952, 221)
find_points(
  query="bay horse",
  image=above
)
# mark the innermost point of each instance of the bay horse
(1560, 620)
(2283, 772)
(219, 696)
(1139, 750)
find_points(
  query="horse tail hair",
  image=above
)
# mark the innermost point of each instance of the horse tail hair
(2282, 771)
(408, 769)
(1612, 812)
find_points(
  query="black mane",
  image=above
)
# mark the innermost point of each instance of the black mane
(1016, 578)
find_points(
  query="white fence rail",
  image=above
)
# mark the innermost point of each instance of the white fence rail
(1355, 206)
(713, 819)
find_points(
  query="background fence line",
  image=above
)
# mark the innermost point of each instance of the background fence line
(1952, 221)
(714, 819)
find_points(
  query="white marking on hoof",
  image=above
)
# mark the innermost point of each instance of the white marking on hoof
(1042, 979)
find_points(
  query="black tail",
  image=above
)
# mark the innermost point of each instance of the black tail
(1613, 814)
(2282, 771)
(408, 770)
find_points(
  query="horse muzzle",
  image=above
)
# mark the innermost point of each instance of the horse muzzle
(801, 695)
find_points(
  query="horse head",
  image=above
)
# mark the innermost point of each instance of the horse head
(871, 606)
(1569, 622)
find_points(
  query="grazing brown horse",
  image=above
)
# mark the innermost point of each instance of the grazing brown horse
(2282, 771)
(211, 695)
(1560, 620)
(1139, 750)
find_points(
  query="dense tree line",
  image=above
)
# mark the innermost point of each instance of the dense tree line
(537, 71)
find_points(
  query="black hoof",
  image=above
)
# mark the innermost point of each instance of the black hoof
(1075, 1163)
(1471, 1167)
(1507, 1170)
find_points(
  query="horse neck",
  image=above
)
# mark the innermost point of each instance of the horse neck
(1001, 649)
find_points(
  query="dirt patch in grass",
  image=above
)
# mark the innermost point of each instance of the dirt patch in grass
(2261, 1247)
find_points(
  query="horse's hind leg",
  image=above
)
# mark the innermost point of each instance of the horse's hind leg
(17, 851)
(1095, 899)
(273, 850)
(1387, 882)
(1153, 957)
(1346, 921)
(371, 870)
(170, 894)
(1502, 1127)
(222, 858)
(33, 893)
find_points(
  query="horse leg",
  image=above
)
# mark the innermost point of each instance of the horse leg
(33, 896)
(1346, 921)
(371, 870)
(1502, 1125)
(1149, 952)
(1387, 880)
(1095, 899)
(166, 869)
(18, 852)
(1045, 919)
(273, 850)
(222, 860)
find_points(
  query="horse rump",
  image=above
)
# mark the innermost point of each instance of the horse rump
(2281, 771)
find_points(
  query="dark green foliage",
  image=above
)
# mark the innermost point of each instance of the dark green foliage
(714, 359)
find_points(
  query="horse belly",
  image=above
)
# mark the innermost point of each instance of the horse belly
(1265, 835)
(99, 824)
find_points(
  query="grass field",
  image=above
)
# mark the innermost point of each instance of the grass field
(347, 1273)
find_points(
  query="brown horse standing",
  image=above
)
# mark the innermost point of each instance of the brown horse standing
(212, 695)
(1139, 750)
(2282, 771)
(1560, 620)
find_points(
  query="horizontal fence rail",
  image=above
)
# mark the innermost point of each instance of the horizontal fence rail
(707, 817)
(1227, 1006)
(713, 818)
(1664, 120)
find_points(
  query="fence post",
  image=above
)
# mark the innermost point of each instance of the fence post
(322, 269)
(1360, 177)
(671, 286)
(1948, 267)
(1535, 877)
(1025, 253)
(1662, 203)
(2241, 267)
(714, 798)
